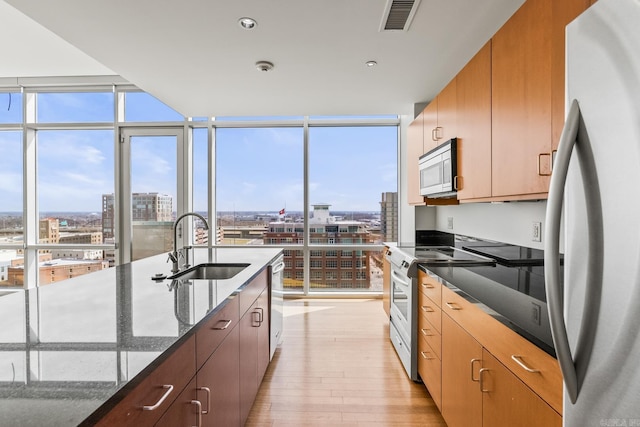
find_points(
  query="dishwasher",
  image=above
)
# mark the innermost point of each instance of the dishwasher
(277, 303)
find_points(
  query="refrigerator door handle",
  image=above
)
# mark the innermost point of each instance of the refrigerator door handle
(552, 251)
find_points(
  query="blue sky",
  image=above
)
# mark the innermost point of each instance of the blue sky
(257, 169)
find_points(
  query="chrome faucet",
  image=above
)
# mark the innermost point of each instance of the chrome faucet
(174, 256)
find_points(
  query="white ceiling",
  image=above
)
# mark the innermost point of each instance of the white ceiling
(193, 55)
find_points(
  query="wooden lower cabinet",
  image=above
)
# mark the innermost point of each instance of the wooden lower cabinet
(430, 370)
(461, 359)
(479, 390)
(186, 410)
(262, 304)
(507, 401)
(212, 378)
(145, 403)
(429, 338)
(218, 385)
(254, 358)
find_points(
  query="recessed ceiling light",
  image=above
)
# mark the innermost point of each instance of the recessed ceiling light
(371, 64)
(264, 65)
(247, 23)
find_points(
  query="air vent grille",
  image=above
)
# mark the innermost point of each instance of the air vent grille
(398, 15)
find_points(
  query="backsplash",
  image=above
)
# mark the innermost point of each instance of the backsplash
(505, 222)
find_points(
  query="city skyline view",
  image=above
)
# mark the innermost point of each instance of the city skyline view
(256, 168)
(75, 158)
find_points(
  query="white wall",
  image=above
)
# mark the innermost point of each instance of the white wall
(505, 222)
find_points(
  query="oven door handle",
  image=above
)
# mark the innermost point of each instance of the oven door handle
(399, 279)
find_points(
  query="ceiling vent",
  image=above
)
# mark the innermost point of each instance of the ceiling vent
(398, 15)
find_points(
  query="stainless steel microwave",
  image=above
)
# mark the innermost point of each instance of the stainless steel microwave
(439, 170)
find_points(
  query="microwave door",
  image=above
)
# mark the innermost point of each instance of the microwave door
(446, 172)
(431, 176)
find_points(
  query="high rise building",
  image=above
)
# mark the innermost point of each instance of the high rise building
(389, 217)
(144, 207)
(331, 268)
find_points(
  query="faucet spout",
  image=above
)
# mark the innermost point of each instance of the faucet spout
(173, 256)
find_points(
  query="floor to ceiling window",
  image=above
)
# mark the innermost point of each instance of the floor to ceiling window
(350, 170)
(260, 187)
(322, 188)
(318, 190)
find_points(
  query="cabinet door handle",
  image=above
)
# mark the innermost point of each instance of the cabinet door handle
(472, 377)
(540, 168)
(208, 390)
(518, 360)
(198, 410)
(424, 355)
(427, 309)
(481, 380)
(260, 317)
(225, 326)
(166, 394)
(438, 133)
(424, 332)
(453, 306)
(434, 137)
(428, 286)
(455, 183)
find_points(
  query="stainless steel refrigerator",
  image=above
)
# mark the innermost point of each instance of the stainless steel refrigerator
(594, 297)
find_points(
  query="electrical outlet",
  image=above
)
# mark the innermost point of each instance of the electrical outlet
(450, 223)
(536, 232)
(536, 311)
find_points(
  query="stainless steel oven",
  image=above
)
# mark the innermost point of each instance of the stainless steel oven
(403, 317)
(404, 303)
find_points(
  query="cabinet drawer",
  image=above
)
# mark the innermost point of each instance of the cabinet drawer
(518, 354)
(430, 286)
(430, 370)
(184, 410)
(429, 333)
(428, 309)
(156, 392)
(252, 291)
(214, 330)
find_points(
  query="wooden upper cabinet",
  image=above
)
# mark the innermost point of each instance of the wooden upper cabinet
(528, 91)
(440, 117)
(447, 113)
(414, 151)
(430, 125)
(521, 102)
(473, 94)
(507, 108)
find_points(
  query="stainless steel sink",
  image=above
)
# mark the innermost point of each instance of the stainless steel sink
(210, 271)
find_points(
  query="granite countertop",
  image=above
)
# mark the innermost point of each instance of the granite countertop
(512, 290)
(511, 295)
(66, 348)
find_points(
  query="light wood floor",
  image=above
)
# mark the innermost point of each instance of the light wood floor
(337, 367)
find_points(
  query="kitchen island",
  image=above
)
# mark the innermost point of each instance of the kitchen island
(72, 352)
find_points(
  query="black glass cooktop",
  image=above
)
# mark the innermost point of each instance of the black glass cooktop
(446, 255)
(510, 255)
